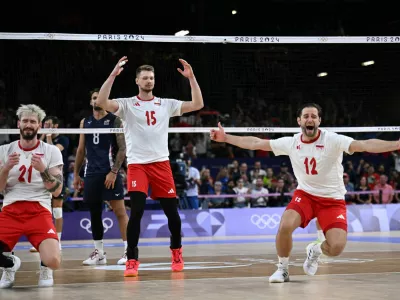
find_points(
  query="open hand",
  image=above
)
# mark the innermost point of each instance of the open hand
(119, 66)
(110, 180)
(187, 69)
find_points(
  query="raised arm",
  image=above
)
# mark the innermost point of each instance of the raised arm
(104, 93)
(197, 98)
(374, 146)
(245, 142)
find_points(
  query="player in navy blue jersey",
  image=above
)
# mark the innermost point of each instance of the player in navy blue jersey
(105, 154)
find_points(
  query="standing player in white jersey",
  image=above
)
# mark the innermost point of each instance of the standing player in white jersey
(146, 121)
(30, 173)
(316, 156)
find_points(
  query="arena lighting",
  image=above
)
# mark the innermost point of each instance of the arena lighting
(234, 12)
(367, 63)
(182, 33)
(322, 74)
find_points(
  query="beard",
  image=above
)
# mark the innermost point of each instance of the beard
(28, 134)
(97, 108)
(146, 89)
(309, 130)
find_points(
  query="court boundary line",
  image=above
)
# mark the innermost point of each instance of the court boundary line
(195, 279)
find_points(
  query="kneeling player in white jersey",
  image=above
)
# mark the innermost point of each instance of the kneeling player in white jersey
(316, 156)
(30, 173)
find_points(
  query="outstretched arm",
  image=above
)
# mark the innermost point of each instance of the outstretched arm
(104, 93)
(374, 146)
(246, 142)
(197, 98)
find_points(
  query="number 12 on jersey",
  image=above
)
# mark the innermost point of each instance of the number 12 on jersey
(312, 163)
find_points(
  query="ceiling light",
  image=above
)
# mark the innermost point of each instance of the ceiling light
(322, 74)
(367, 63)
(182, 33)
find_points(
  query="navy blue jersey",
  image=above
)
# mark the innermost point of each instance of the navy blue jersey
(101, 149)
(63, 141)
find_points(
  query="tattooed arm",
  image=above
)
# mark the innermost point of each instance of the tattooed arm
(120, 157)
(121, 154)
(53, 179)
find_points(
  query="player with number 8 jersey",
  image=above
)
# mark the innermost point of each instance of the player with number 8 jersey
(316, 156)
(146, 122)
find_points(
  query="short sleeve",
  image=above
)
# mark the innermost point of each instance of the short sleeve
(3, 155)
(64, 141)
(343, 143)
(281, 146)
(122, 107)
(56, 157)
(174, 107)
(196, 174)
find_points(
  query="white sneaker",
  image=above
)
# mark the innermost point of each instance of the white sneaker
(45, 277)
(310, 266)
(8, 278)
(281, 275)
(33, 250)
(122, 260)
(96, 258)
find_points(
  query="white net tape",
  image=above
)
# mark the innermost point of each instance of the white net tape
(207, 129)
(203, 39)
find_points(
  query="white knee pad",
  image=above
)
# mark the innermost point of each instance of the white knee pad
(57, 212)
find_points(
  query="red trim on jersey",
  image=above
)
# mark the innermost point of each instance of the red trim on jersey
(28, 149)
(313, 140)
(145, 100)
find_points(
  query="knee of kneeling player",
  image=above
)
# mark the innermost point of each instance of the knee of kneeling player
(53, 262)
(336, 248)
(286, 227)
(57, 212)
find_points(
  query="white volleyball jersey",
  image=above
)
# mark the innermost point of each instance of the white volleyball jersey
(146, 126)
(317, 164)
(24, 183)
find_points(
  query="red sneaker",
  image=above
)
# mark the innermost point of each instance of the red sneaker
(132, 266)
(177, 260)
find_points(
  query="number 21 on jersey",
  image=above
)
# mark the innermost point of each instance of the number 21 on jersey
(311, 166)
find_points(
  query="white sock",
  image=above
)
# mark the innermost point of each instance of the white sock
(321, 235)
(99, 246)
(284, 261)
(125, 245)
(317, 248)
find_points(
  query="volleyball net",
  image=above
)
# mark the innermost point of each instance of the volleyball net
(251, 84)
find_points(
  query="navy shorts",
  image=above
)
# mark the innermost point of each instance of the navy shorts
(94, 190)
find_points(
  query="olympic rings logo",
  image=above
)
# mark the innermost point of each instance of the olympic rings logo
(266, 220)
(190, 38)
(323, 39)
(87, 224)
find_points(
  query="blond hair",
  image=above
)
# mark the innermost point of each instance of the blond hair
(31, 109)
